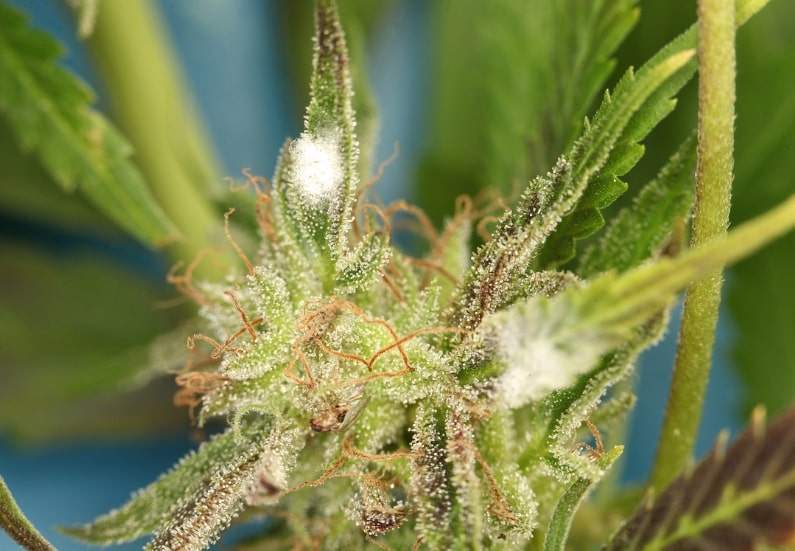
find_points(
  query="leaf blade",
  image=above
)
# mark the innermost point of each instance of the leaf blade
(560, 248)
(639, 230)
(151, 508)
(732, 499)
(49, 111)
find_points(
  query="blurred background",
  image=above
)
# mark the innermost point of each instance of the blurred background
(205, 88)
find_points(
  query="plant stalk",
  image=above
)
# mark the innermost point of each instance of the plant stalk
(16, 524)
(714, 174)
(151, 105)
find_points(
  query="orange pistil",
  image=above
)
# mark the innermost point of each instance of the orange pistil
(184, 282)
(235, 246)
(247, 325)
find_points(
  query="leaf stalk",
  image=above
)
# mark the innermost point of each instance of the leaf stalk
(152, 106)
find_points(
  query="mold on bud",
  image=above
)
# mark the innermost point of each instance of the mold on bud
(433, 401)
(318, 166)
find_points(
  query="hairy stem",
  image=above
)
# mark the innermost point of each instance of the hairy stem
(17, 526)
(557, 536)
(152, 106)
(716, 51)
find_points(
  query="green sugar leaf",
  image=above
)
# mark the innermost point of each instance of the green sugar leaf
(638, 231)
(152, 508)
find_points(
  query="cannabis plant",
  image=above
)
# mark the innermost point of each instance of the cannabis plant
(464, 398)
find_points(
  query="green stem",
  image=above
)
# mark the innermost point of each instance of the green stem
(562, 518)
(16, 525)
(716, 51)
(557, 536)
(152, 106)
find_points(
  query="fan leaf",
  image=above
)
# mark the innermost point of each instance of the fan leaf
(523, 232)
(763, 351)
(49, 111)
(70, 373)
(733, 500)
(560, 247)
(564, 51)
